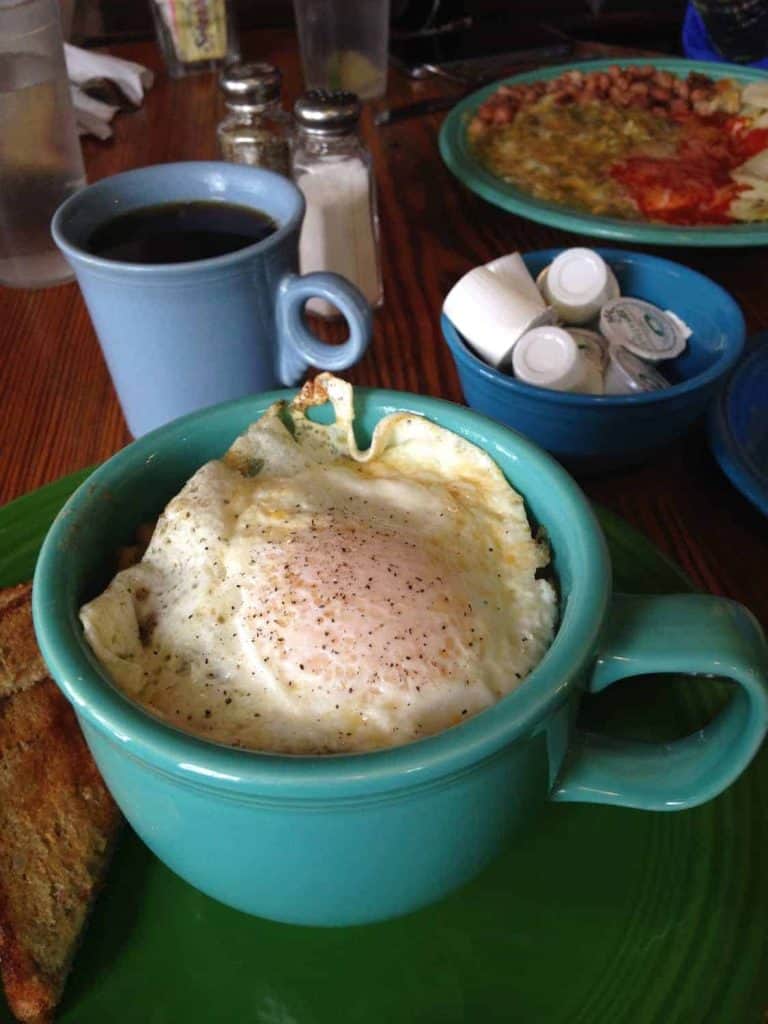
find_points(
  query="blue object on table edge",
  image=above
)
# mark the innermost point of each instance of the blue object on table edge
(698, 46)
(738, 424)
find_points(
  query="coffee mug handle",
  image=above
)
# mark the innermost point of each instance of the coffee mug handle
(298, 347)
(693, 634)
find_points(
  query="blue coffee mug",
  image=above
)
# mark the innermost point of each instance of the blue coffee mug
(182, 336)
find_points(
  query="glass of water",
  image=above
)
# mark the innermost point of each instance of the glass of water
(40, 159)
(344, 44)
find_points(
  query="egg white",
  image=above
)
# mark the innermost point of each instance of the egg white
(302, 596)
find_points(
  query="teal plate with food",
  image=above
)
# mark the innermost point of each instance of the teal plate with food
(601, 914)
(663, 151)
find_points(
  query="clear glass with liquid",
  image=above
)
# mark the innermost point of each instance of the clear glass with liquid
(40, 159)
(344, 44)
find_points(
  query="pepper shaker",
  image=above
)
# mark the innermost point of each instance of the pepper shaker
(256, 129)
(333, 169)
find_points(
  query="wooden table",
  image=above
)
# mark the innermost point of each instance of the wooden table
(60, 413)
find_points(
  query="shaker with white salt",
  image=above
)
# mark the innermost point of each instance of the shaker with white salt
(333, 169)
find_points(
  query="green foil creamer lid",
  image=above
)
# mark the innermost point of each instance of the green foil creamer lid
(643, 329)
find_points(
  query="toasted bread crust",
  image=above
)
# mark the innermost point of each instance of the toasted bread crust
(58, 824)
(21, 665)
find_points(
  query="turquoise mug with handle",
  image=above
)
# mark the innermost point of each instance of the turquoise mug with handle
(181, 336)
(349, 839)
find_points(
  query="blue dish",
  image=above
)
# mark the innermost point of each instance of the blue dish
(738, 426)
(460, 158)
(352, 839)
(593, 433)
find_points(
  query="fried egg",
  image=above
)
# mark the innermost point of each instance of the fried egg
(302, 596)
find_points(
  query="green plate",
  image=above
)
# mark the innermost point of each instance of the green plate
(599, 915)
(456, 153)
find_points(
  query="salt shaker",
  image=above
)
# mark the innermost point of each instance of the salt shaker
(332, 168)
(256, 130)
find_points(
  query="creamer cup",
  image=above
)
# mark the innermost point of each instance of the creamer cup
(549, 357)
(592, 344)
(577, 283)
(491, 315)
(685, 330)
(628, 375)
(595, 350)
(643, 329)
(512, 270)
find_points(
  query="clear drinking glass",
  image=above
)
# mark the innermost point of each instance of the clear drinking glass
(40, 159)
(344, 44)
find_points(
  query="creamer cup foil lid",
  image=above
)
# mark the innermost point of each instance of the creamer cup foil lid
(547, 357)
(643, 329)
(626, 375)
(578, 283)
(550, 357)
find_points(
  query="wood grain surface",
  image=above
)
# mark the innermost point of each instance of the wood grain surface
(60, 413)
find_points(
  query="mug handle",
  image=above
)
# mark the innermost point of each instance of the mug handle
(298, 347)
(694, 634)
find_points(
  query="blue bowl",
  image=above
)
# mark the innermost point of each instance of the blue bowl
(591, 433)
(355, 838)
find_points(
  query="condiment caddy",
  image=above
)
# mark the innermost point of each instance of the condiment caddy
(195, 37)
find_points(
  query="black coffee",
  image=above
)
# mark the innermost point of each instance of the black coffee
(179, 232)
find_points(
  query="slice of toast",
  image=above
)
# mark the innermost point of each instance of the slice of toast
(21, 665)
(58, 824)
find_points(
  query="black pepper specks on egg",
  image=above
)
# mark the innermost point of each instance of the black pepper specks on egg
(339, 604)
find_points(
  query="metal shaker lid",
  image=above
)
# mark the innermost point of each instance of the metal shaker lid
(327, 113)
(250, 83)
